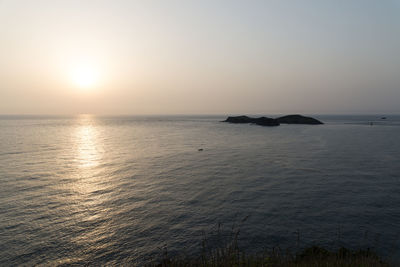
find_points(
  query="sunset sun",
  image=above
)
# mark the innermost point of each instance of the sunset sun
(85, 77)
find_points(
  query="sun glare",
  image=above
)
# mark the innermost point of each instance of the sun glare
(85, 77)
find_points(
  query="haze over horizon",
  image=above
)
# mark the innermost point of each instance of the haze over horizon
(204, 57)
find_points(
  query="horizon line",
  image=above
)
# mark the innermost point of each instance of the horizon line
(198, 114)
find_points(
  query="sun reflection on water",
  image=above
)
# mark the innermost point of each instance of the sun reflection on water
(88, 157)
(86, 140)
(89, 187)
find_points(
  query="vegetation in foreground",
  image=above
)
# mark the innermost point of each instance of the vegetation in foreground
(228, 253)
(313, 256)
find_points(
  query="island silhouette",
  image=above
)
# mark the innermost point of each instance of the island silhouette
(265, 121)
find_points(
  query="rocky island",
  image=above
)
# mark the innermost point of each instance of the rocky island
(264, 121)
(298, 119)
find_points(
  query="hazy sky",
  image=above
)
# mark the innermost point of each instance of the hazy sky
(199, 57)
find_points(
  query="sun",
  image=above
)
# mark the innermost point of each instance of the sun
(85, 77)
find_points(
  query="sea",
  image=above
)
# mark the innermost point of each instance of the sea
(125, 190)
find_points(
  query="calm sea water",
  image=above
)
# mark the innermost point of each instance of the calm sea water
(112, 190)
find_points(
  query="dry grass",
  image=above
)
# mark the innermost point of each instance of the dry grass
(313, 256)
(224, 252)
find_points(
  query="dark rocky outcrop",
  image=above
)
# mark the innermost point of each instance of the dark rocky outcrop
(239, 119)
(264, 121)
(298, 119)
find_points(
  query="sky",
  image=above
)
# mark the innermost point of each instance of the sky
(199, 57)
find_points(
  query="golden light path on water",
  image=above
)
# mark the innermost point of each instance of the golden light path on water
(88, 187)
(86, 138)
(88, 149)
